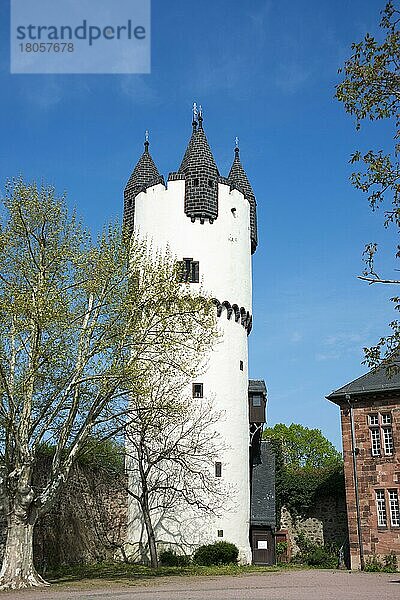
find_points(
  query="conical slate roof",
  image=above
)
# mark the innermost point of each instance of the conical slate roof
(198, 152)
(200, 172)
(238, 179)
(237, 176)
(144, 175)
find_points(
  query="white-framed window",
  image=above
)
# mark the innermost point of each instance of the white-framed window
(381, 433)
(381, 508)
(394, 508)
(375, 442)
(387, 440)
(373, 420)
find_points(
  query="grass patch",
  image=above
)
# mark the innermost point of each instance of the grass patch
(129, 574)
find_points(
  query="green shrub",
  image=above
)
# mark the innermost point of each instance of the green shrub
(219, 553)
(169, 558)
(281, 550)
(322, 557)
(390, 563)
(374, 565)
(315, 555)
(304, 544)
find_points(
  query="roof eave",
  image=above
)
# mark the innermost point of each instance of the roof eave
(337, 397)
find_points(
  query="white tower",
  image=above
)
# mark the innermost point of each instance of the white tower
(209, 221)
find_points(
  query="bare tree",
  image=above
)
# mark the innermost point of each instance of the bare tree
(171, 448)
(79, 322)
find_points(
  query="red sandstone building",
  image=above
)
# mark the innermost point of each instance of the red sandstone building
(370, 415)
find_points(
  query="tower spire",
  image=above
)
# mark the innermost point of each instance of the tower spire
(239, 180)
(201, 174)
(200, 117)
(144, 175)
(194, 122)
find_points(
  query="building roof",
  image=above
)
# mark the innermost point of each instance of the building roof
(144, 175)
(257, 385)
(198, 152)
(263, 488)
(238, 179)
(201, 175)
(237, 176)
(377, 380)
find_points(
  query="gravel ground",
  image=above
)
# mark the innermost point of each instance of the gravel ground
(292, 585)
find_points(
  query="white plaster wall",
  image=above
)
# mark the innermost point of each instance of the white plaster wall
(230, 385)
(224, 254)
(223, 247)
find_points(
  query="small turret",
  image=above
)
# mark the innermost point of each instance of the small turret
(238, 179)
(144, 175)
(201, 175)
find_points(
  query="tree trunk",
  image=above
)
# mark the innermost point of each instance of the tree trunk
(151, 538)
(18, 570)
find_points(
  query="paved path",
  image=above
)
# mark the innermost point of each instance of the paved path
(292, 585)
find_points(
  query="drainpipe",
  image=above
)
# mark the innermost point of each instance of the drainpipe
(354, 460)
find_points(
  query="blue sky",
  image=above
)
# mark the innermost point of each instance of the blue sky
(264, 71)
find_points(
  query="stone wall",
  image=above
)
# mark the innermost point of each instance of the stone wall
(325, 523)
(86, 524)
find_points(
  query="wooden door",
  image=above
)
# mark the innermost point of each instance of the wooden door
(263, 546)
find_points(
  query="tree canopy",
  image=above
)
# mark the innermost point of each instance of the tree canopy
(307, 467)
(303, 447)
(82, 323)
(370, 90)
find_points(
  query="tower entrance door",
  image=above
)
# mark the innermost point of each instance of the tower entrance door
(262, 546)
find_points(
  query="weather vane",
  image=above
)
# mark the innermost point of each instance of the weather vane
(194, 111)
(200, 111)
(236, 142)
(146, 136)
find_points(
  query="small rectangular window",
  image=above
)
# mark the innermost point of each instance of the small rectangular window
(241, 365)
(394, 508)
(188, 271)
(381, 508)
(220, 533)
(386, 419)
(197, 390)
(374, 419)
(218, 469)
(256, 400)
